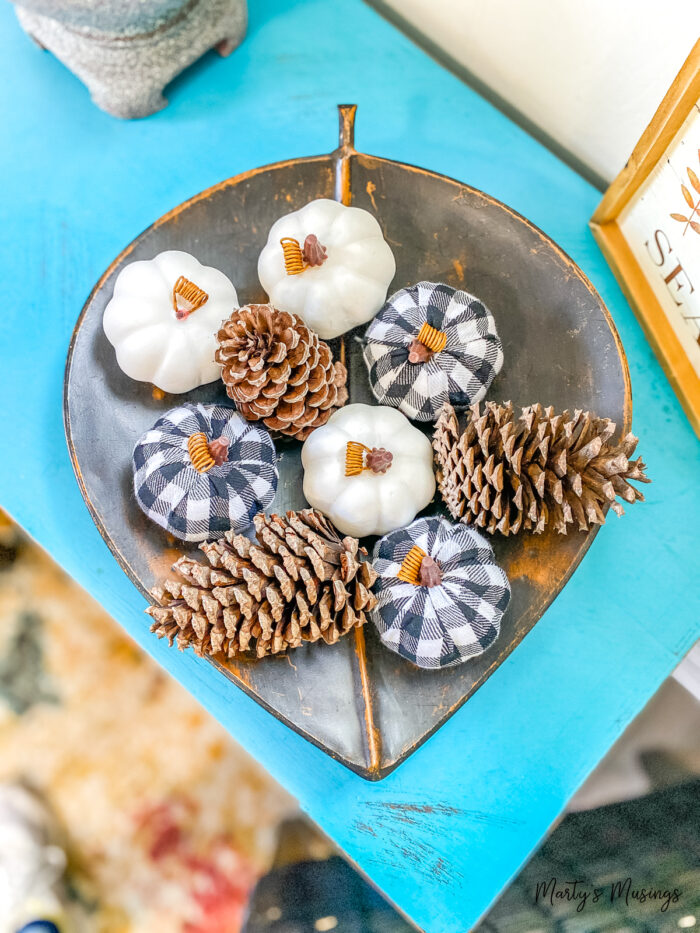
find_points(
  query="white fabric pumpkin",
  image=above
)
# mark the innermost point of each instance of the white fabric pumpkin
(368, 503)
(152, 343)
(349, 286)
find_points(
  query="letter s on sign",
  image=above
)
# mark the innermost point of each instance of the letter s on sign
(658, 234)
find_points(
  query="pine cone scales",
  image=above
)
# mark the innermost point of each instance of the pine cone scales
(277, 370)
(509, 473)
(299, 582)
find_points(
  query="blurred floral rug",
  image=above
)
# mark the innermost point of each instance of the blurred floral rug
(168, 823)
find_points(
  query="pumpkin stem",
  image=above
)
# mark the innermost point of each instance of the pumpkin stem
(429, 341)
(430, 573)
(378, 460)
(219, 449)
(359, 457)
(187, 297)
(297, 259)
(418, 352)
(206, 455)
(314, 253)
(419, 569)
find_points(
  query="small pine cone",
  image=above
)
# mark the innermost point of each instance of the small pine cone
(506, 473)
(299, 583)
(278, 371)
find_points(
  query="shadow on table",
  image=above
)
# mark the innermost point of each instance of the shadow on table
(641, 858)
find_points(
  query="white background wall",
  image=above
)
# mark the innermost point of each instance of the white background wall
(590, 73)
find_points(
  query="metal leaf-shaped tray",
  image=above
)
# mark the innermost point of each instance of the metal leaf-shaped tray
(357, 701)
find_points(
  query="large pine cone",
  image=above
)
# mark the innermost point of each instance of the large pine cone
(278, 371)
(506, 473)
(300, 582)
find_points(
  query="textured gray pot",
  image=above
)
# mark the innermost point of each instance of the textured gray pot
(127, 51)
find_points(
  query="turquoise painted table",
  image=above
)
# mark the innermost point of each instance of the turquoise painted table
(444, 833)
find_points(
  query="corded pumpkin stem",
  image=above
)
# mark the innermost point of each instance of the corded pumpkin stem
(297, 259)
(187, 297)
(429, 341)
(204, 455)
(419, 569)
(293, 256)
(359, 457)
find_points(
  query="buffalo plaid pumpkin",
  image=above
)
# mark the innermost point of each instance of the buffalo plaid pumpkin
(457, 362)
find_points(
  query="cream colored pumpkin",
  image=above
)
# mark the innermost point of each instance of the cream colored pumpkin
(349, 286)
(368, 503)
(153, 343)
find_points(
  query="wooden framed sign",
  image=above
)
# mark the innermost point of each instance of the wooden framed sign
(648, 227)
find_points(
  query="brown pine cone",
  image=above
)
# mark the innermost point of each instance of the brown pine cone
(278, 371)
(509, 473)
(299, 583)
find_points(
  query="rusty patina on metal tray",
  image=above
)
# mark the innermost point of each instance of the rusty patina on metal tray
(357, 701)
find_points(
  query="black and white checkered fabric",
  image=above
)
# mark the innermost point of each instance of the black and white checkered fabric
(202, 506)
(460, 374)
(442, 625)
